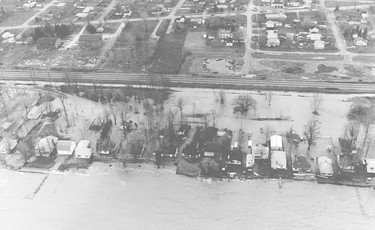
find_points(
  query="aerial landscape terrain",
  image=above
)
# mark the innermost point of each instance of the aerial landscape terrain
(187, 114)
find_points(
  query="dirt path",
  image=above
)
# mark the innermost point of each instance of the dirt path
(249, 33)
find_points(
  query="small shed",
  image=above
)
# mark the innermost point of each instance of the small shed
(65, 147)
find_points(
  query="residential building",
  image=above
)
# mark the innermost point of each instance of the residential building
(65, 147)
(360, 41)
(212, 149)
(273, 24)
(314, 37)
(314, 29)
(48, 43)
(225, 33)
(90, 41)
(319, 44)
(276, 142)
(273, 42)
(276, 16)
(278, 160)
(370, 166)
(46, 146)
(83, 150)
(325, 166)
(7, 145)
(260, 151)
(278, 4)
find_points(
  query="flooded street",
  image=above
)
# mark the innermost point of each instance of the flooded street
(147, 198)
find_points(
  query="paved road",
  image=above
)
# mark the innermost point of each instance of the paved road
(192, 81)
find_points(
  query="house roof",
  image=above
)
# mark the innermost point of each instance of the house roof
(278, 160)
(212, 147)
(7, 145)
(63, 145)
(82, 144)
(210, 133)
(370, 165)
(90, 37)
(325, 165)
(301, 163)
(83, 152)
(47, 144)
(235, 155)
(260, 150)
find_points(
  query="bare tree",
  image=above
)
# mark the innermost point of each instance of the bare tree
(269, 96)
(351, 132)
(63, 103)
(4, 108)
(243, 103)
(311, 132)
(222, 96)
(85, 129)
(214, 117)
(180, 104)
(316, 103)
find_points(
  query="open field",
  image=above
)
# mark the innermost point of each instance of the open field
(18, 17)
(134, 48)
(169, 54)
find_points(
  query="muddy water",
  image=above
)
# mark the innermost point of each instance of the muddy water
(147, 198)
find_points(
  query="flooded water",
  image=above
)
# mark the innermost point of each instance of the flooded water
(147, 198)
(296, 107)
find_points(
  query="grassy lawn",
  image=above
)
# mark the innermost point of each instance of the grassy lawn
(169, 55)
(163, 27)
(18, 17)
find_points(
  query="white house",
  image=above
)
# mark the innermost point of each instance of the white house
(83, 150)
(276, 142)
(88, 9)
(325, 166)
(7, 145)
(278, 17)
(273, 24)
(278, 160)
(65, 147)
(319, 44)
(370, 165)
(314, 30)
(273, 42)
(360, 41)
(314, 37)
(46, 146)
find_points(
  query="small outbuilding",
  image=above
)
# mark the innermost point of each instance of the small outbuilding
(46, 146)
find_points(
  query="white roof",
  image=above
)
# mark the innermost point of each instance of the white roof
(276, 142)
(83, 152)
(47, 144)
(278, 160)
(7, 145)
(370, 165)
(82, 144)
(7, 35)
(88, 9)
(325, 165)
